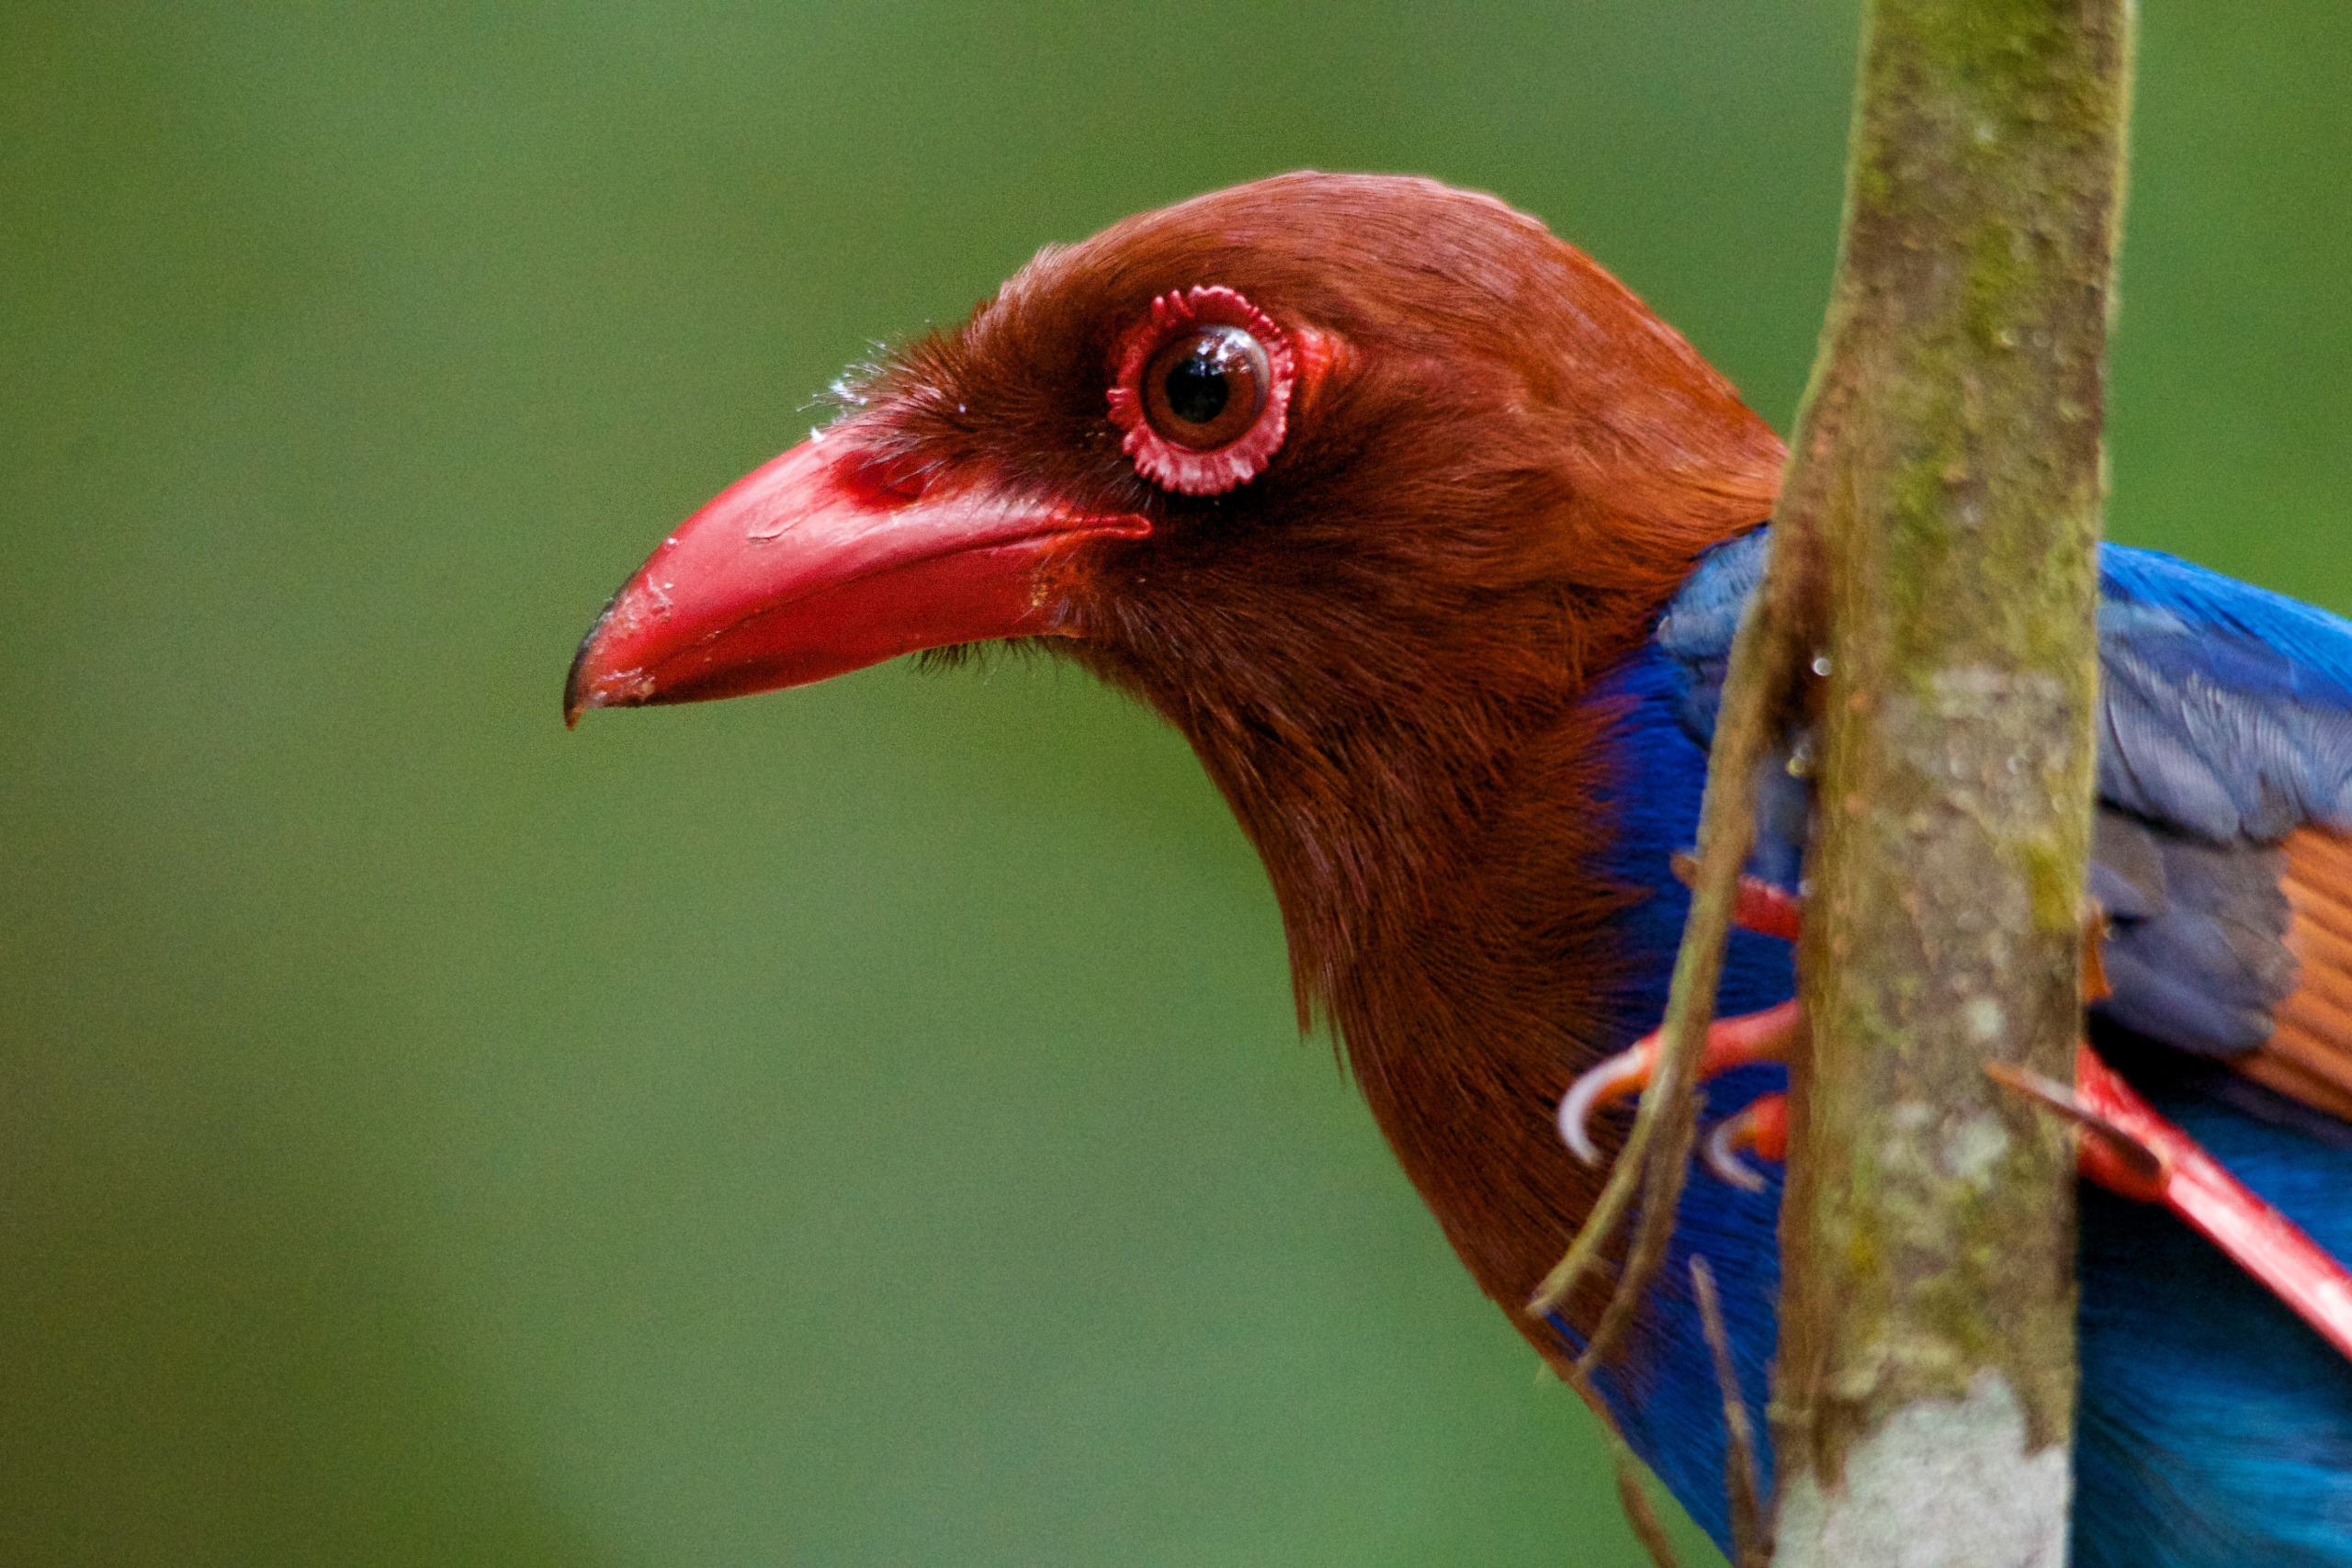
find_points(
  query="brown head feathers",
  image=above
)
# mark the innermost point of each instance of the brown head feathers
(1498, 466)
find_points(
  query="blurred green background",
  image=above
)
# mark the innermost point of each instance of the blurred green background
(862, 1125)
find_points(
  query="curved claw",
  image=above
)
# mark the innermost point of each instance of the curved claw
(1626, 1073)
(1731, 1042)
(1718, 1152)
(1761, 1126)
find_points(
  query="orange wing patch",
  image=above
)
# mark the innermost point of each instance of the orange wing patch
(2308, 1055)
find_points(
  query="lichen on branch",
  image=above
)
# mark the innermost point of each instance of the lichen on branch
(1948, 467)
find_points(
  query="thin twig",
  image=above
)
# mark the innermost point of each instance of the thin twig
(1751, 1546)
(1631, 1496)
(1638, 1513)
(1764, 665)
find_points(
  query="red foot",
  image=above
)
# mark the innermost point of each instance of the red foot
(1761, 908)
(1761, 1127)
(1731, 1042)
(2123, 1144)
(1757, 905)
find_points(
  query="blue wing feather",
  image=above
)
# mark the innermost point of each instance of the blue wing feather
(2215, 1428)
(2227, 708)
(2224, 723)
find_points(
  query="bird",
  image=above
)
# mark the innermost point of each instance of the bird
(1431, 538)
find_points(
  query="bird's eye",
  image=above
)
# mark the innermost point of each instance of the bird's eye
(1206, 389)
(1202, 387)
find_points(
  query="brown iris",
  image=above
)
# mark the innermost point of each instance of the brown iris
(1205, 388)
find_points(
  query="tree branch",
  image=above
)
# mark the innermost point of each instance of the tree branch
(1949, 464)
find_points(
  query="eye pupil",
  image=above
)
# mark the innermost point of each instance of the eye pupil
(1206, 389)
(1196, 387)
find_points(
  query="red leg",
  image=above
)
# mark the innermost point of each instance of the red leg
(2257, 1237)
(2124, 1146)
(1764, 1036)
(1731, 1042)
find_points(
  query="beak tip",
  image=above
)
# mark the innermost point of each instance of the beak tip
(576, 697)
(582, 689)
(609, 689)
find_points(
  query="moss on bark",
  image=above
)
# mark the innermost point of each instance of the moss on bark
(1948, 478)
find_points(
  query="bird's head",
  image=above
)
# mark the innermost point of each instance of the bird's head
(1340, 472)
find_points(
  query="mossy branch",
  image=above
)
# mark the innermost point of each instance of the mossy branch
(1937, 538)
(1948, 463)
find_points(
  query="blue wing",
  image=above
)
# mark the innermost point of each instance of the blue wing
(2214, 1428)
(2224, 725)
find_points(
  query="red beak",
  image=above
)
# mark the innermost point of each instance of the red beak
(814, 565)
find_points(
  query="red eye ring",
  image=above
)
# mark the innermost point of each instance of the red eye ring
(1170, 464)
